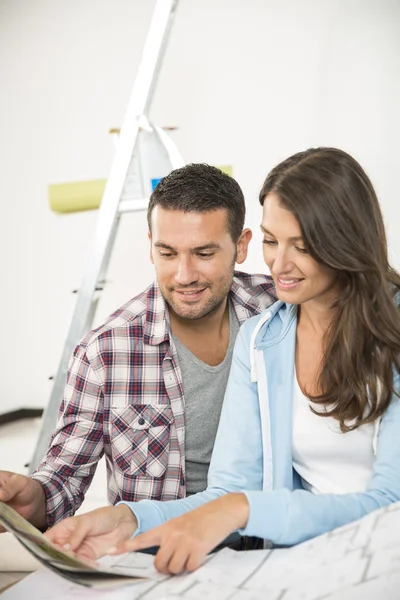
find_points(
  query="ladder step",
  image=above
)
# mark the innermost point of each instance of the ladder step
(96, 289)
(133, 205)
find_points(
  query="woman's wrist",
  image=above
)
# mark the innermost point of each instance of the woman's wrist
(237, 508)
(127, 519)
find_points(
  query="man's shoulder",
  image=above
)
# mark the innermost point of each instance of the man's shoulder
(128, 321)
(252, 292)
(258, 282)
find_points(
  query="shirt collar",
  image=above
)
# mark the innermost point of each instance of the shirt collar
(157, 327)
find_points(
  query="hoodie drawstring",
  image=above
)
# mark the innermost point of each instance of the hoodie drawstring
(253, 365)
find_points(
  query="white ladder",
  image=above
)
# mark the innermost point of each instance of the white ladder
(115, 201)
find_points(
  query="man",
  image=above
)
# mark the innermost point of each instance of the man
(146, 388)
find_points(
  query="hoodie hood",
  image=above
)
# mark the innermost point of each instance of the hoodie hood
(271, 328)
(275, 327)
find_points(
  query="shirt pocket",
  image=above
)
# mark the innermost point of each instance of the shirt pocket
(140, 435)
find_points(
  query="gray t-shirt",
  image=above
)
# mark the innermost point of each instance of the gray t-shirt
(204, 389)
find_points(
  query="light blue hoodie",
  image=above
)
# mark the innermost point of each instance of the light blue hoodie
(253, 448)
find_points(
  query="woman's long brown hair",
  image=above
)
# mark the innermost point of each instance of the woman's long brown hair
(342, 227)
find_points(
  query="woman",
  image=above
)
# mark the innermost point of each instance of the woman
(309, 432)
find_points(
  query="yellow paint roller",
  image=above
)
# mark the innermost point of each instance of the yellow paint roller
(76, 196)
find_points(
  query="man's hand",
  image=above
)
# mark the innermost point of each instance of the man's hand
(186, 540)
(26, 496)
(91, 535)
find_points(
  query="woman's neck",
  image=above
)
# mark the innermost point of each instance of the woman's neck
(315, 317)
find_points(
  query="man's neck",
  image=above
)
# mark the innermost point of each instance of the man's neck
(208, 337)
(212, 324)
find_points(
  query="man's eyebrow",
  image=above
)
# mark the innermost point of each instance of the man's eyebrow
(296, 238)
(165, 246)
(209, 246)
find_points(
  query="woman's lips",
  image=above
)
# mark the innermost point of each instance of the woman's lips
(286, 283)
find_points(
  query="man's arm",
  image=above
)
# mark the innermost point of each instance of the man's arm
(77, 443)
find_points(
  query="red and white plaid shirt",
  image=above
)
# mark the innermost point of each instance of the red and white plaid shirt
(124, 398)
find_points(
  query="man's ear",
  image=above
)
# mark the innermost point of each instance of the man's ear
(151, 247)
(243, 245)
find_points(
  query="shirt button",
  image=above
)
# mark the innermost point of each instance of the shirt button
(141, 421)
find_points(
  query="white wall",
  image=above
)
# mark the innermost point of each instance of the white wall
(247, 83)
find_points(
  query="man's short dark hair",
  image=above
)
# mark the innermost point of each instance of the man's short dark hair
(201, 188)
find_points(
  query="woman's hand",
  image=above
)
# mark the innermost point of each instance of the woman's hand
(91, 535)
(186, 540)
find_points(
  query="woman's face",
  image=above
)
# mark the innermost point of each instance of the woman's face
(298, 277)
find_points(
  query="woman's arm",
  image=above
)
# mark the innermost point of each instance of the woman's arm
(282, 516)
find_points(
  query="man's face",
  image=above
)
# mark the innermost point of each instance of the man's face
(194, 257)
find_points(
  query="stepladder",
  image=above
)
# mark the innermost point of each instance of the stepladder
(144, 153)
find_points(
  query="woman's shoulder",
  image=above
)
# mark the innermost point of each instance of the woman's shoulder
(250, 324)
(275, 315)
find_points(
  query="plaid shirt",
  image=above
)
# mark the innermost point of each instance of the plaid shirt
(124, 398)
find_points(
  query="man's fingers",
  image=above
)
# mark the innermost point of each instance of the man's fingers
(4, 477)
(10, 488)
(144, 540)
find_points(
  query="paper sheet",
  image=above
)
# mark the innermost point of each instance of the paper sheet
(64, 563)
(360, 561)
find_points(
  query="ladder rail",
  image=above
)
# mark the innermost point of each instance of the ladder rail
(138, 105)
(175, 157)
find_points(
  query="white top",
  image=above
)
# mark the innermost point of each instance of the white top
(327, 460)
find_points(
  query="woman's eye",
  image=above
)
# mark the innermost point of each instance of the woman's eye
(269, 242)
(301, 250)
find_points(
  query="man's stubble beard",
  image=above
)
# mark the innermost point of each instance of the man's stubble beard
(191, 314)
(209, 308)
